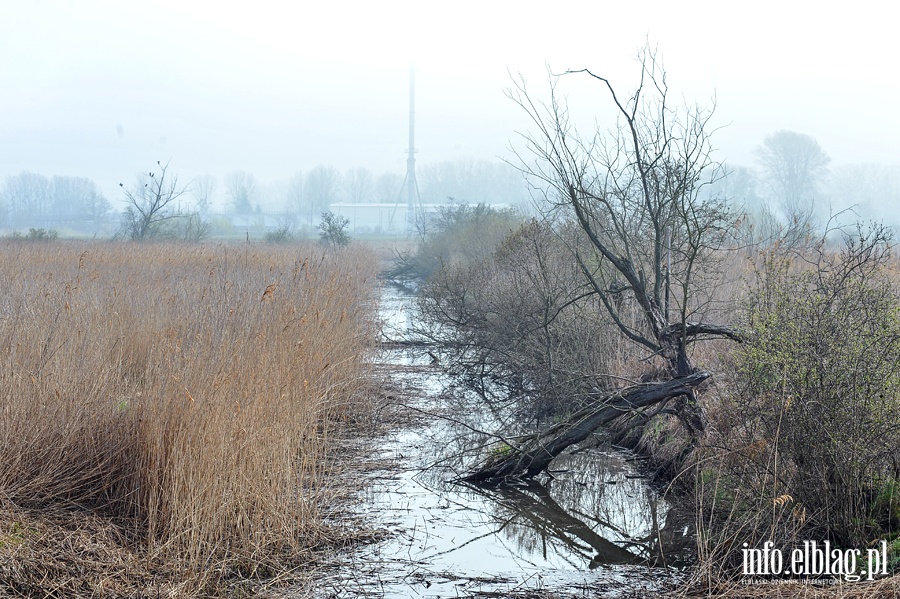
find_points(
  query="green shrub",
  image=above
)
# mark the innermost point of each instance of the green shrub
(35, 235)
(283, 234)
(817, 400)
(333, 230)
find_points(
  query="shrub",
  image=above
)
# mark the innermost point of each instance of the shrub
(816, 407)
(333, 230)
(519, 321)
(283, 234)
(460, 234)
(42, 235)
(35, 235)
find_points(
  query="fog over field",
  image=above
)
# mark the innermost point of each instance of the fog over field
(103, 89)
(622, 316)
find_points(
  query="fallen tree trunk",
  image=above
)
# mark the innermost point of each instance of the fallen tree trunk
(535, 453)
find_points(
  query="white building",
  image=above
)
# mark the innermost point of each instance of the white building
(380, 218)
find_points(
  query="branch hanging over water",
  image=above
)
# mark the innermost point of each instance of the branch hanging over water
(535, 454)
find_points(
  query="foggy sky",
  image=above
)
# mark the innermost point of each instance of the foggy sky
(104, 89)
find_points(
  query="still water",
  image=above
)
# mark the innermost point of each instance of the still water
(595, 525)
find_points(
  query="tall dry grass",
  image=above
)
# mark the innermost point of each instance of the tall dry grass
(184, 392)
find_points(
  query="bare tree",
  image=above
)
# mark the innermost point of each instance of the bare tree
(472, 182)
(388, 187)
(322, 186)
(27, 196)
(293, 193)
(150, 202)
(78, 197)
(242, 187)
(203, 189)
(794, 166)
(358, 184)
(872, 190)
(638, 194)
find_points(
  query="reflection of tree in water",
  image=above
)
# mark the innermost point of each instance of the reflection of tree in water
(598, 489)
(598, 524)
(536, 518)
(455, 436)
(591, 513)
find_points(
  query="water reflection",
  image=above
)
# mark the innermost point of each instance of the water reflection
(593, 517)
(535, 516)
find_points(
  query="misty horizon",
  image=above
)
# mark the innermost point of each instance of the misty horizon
(218, 89)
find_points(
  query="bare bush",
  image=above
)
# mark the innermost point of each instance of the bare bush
(523, 322)
(460, 234)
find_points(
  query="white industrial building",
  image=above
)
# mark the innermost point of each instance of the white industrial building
(380, 218)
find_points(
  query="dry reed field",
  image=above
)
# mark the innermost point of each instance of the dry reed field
(166, 411)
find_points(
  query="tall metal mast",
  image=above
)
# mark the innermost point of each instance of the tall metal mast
(412, 188)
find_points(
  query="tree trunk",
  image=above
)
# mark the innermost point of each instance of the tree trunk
(537, 451)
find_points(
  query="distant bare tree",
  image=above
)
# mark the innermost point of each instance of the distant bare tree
(872, 190)
(323, 183)
(450, 179)
(387, 188)
(203, 189)
(358, 183)
(26, 195)
(150, 202)
(78, 197)
(32, 199)
(242, 187)
(794, 166)
(757, 223)
(294, 193)
(473, 182)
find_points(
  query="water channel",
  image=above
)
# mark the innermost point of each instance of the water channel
(596, 527)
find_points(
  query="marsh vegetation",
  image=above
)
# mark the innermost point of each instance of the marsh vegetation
(168, 410)
(750, 354)
(178, 415)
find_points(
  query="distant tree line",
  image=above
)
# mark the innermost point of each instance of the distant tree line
(76, 203)
(33, 199)
(790, 193)
(304, 196)
(463, 181)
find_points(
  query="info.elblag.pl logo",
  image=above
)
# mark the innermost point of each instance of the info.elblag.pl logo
(814, 559)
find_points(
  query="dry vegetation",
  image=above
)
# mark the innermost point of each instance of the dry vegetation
(166, 411)
(801, 418)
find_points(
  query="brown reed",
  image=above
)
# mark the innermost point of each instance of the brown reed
(148, 385)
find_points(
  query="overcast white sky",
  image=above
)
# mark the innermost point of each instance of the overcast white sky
(103, 89)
